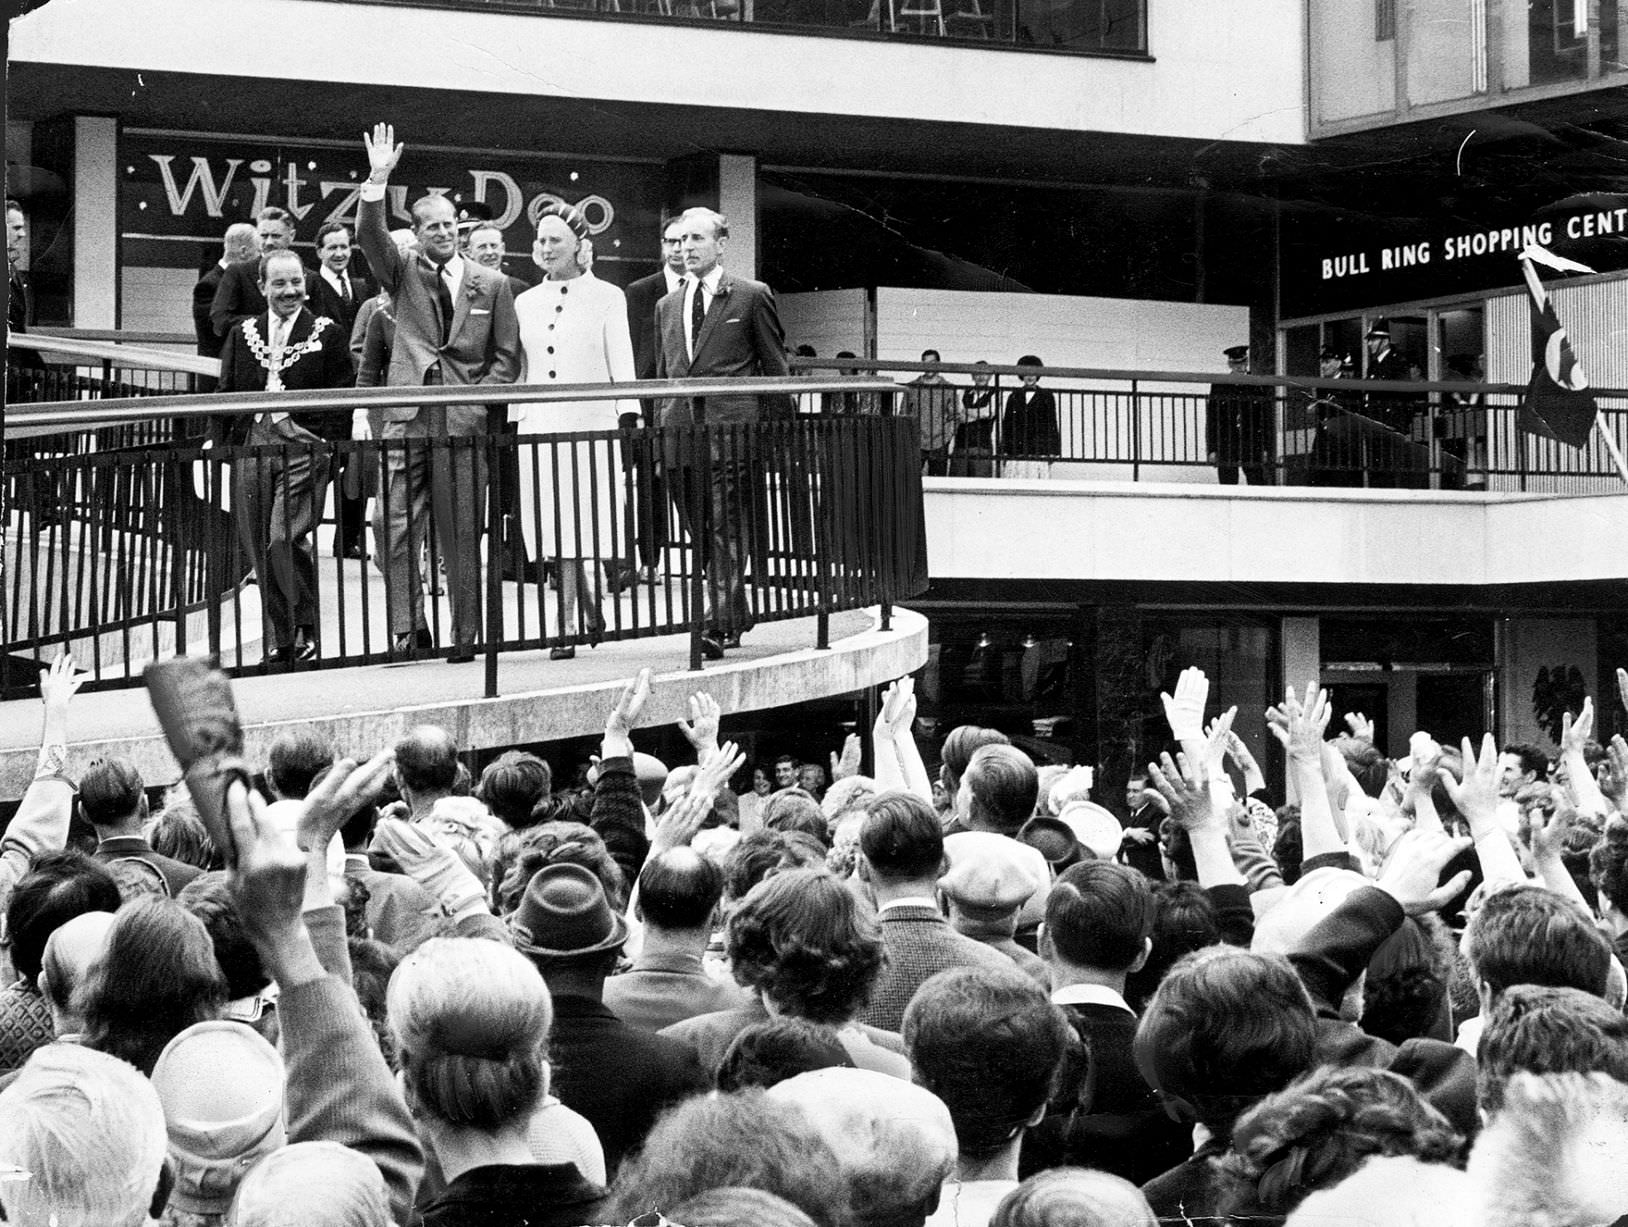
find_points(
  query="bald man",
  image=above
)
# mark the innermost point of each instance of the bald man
(70, 953)
(240, 247)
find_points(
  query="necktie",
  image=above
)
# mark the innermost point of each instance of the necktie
(443, 293)
(698, 312)
(274, 381)
(344, 286)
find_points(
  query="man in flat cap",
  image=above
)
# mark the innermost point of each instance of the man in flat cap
(1238, 422)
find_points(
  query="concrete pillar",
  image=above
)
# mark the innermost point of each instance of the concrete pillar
(737, 200)
(95, 222)
(1302, 652)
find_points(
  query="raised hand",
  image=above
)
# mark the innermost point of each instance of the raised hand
(847, 763)
(1185, 709)
(1299, 723)
(343, 791)
(1622, 686)
(382, 151)
(59, 683)
(1361, 727)
(1617, 754)
(1574, 734)
(898, 713)
(680, 821)
(1547, 831)
(266, 872)
(1216, 741)
(1414, 866)
(701, 730)
(1186, 791)
(1477, 796)
(625, 717)
(716, 769)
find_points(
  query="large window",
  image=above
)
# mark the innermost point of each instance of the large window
(1104, 27)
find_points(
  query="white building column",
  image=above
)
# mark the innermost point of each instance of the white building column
(737, 200)
(95, 222)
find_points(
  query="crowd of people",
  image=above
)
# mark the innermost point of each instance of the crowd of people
(388, 992)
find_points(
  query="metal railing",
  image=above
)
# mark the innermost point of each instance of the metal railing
(1179, 426)
(1096, 27)
(130, 552)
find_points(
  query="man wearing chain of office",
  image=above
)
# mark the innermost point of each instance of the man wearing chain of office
(278, 486)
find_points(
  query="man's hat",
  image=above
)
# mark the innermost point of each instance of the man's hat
(472, 213)
(1381, 328)
(1097, 830)
(1054, 840)
(1327, 352)
(989, 876)
(565, 914)
(1236, 353)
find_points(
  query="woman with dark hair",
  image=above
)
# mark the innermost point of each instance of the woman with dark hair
(158, 977)
(573, 329)
(989, 1043)
(1184, 920)
(745, 1140)
(512, 786)
(1029, 424)
(802, 942)
(470, 1019)
(1317, 1131)
(770, 1052)
(520, 855)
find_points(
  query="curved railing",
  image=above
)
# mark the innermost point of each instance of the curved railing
(129, 552)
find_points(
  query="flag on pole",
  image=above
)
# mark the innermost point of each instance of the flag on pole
(1558, 402)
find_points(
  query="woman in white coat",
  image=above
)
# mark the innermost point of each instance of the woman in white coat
(573, 329)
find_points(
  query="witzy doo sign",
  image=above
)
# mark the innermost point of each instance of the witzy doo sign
(178, 193)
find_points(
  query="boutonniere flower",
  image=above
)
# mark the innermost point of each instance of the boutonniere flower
(723, 289)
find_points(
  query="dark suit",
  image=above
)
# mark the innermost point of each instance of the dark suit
(482, 346)
(203, 302)
(648, 510)
(278, 487)
(1239, 422)
(1029, 424)
(237, 297)
(1104, 1114)
(740, 335)
(617, 1076)
(1393, 460)
(133, 847)
(1144, 857)
(325, 300)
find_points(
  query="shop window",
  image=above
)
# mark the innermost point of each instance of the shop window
(1017, 674)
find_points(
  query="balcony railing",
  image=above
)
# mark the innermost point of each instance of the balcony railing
(1180, 426)
(1097, 27)
(129, 552)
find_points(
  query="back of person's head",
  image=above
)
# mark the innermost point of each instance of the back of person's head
(894, 1142)
(1184, 920)
(1301, 908)
(88, 1131)
(157, 978)
(1392, 1191)
(512, 785)
(902, 838)
(989, 1043)
(679, 889)
(851, 792)
(296, 759)
(1557, 1155)
(427, 760)
(1224, 1028)
(801, 940)
(769, 1052)
(110, 792)
(73, 948)
(1074, 1197)
(470, 1019)
(962, 743)
(738, 1208)
(1528, 934)
(179, 833)
(209, 898)
(794, 810)
(1405, 989)
(520, 855)
(59, 886)
(741, 1140)
(758, 856)
(1099, 915)
(1370, 768)
(1317, 1131)
(1002, 785)
(1288, 846)
(312, 1184)
(1538, 1030)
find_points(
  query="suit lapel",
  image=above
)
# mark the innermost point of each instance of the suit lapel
(466, 293)
(720, 305)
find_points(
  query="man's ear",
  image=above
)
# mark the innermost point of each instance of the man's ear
(1141, 959)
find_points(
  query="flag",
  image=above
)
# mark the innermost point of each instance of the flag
(1558, 404)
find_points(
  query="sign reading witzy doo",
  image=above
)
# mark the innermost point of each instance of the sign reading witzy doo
(174, 196)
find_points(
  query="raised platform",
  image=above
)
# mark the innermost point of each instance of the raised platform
(541, 700)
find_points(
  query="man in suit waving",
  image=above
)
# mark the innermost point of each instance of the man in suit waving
(716, 325)
(455, 324)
